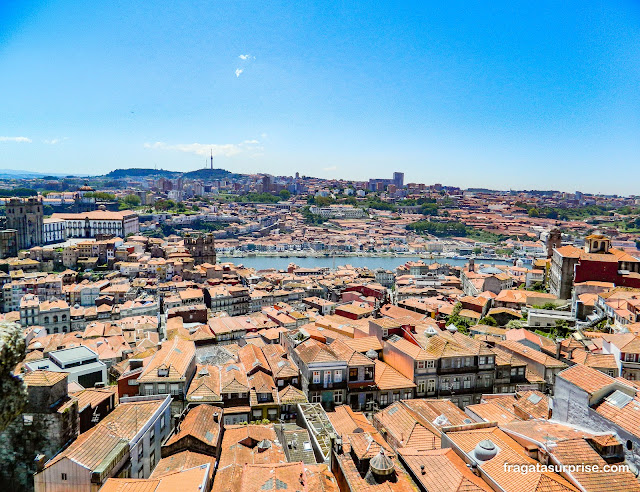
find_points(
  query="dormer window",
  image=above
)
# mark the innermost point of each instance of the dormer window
(163, 372)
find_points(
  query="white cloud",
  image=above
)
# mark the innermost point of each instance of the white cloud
(238, 72)
(227, 150)
(247, 57)
(53, 141)
(15, 139)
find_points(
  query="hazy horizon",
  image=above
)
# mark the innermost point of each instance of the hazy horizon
(497, 96)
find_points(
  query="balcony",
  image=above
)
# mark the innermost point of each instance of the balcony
(328, 386)
(458, 370)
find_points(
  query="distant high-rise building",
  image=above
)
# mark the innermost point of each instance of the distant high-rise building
(266, 184)
(26, 217)
(398, 180)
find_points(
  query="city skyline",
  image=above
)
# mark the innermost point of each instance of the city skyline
(461, 98)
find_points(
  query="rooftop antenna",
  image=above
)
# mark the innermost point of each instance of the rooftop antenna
(212, 159)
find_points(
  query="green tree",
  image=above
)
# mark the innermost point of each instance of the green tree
(285, 194)
(489, 321)
(514, 324)
(132, 200)
(533, 212)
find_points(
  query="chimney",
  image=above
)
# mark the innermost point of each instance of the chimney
(532, 451)
(40, 460)
(558, 349)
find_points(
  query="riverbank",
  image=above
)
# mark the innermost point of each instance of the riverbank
(264, 262)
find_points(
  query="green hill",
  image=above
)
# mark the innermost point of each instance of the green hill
(140, 172)
(143, 173)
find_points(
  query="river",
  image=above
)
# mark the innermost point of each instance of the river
(372, 262)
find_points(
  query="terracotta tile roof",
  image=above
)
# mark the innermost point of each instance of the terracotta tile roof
(442, 470)
(579, 452)
(627, 417)
(201, 423)
(175, 356)
(414, 351)
(253, 358)
(528, 353)
(191, 480)
(430, 409)
(363, 344)
(353, 357)
(94, 396)
(44, 378)
(509, 452)
(290, 395)
(586, 378)
(240, 445)
(314, 351)
(289, 476)
(181, 461)
(111, 433)
(205, 385)
(233, 379)
(492, 412)
(387, 378)
(405, 427)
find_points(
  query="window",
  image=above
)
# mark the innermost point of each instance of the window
(514, 371)
(421, 364)
(152, 460)
(280, 382)
(315, 398)
(257, 414)
(431, 385)
(152, 435)
(162, 388)
(431, 364)
(337, 376)
(175, 389)
(327, 378)
(384, 399)
(456, 383)
(408, 395)
(337, 397)
(316, 377)
(368, 373)
(162, 422)
(353, 374)
(421, 386)
(63, 476)
(482, 360)
(444, 384)
(396, 396)
(466, 382)
(140, 451)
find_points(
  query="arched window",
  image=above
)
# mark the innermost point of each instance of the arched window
(46, 319)
(55, 319)
(64, 317)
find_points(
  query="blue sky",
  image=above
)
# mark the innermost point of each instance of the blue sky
(486, 94)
